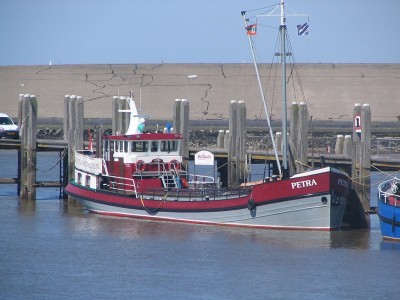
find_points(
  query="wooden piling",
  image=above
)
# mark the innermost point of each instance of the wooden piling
(226, 139)
(366, 156)
(66, 116)
(278, 141)
(79, 111)
(240, 151)
(232, 179)
(176, 118)
(75, 131)
(28, 114)
(302, 141)
(339, 144)
(298, 137)
(359, 199)
(293, 138)
(220, 138)
(347, 145)
(184, 130)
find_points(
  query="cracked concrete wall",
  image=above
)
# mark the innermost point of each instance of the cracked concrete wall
(330, 90)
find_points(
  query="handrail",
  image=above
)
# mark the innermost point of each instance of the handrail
(385, 195)
(123, 184)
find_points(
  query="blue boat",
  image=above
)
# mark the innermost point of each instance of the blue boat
(389, 209)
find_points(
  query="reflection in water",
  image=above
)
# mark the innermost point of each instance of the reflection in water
(27, 207)
(130, 228)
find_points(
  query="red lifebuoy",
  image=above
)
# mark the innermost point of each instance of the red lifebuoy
(174, 165)
(140, 166)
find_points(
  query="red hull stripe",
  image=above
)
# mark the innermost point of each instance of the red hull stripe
(126, 201)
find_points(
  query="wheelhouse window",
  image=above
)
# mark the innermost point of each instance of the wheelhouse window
(169, 146)
(125, 146)
(154, 146)
(106, 150)
(139, 146)
(111, 147)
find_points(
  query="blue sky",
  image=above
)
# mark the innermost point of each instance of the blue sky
(195, 31)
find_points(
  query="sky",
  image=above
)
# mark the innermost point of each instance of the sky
(193, 31)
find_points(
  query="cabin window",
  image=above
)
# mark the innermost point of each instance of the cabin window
(168, 146)
(139, 146)
(79, 178)
(125, 146)
(116, 146)
(154, 146)
(87, 181)
(111, 147)
(105, 150)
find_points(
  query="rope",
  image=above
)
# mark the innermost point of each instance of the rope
(23, 123)
(51, 168)
(156, 209)
(353, 179)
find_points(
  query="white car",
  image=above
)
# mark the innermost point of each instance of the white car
(8, 129)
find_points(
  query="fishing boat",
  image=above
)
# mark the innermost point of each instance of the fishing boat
(142, 175)
(389, 209)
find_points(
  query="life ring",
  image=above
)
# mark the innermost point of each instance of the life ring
(140, 166)
(251, 205)
(157, 161)
(174, 165)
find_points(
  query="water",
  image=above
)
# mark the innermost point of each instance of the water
(54, 250)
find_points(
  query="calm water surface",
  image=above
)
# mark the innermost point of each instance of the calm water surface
(54, 250)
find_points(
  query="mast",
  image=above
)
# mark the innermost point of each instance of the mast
(282, 29)
(263, 97)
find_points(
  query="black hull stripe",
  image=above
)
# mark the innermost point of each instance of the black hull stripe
(389, 221)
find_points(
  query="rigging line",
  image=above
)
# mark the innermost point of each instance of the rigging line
(270, 7)
(272, 64)
(293, 59)
(292, 66)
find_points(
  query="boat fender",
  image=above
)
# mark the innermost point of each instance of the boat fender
(184, 182)
(140, 166)
(251, 205)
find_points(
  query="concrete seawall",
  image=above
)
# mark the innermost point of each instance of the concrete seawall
(331, 90)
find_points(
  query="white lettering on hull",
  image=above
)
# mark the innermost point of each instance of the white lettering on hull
(303, 184)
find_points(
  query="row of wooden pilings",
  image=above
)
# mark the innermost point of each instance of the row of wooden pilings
(358, 145)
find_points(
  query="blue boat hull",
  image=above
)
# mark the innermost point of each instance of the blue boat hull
(389, 219)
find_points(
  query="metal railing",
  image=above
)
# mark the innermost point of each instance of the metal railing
(387, 145)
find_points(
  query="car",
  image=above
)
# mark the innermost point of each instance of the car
(8, 129)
